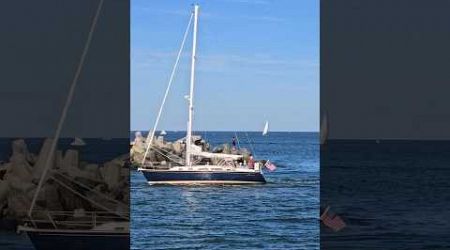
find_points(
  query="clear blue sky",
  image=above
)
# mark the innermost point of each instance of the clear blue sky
(257, 60)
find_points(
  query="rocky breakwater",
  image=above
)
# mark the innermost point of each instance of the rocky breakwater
(68, 180)
(164, 153)
(161, 151)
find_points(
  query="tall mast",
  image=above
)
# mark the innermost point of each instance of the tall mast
(62, 119)
(191, 92)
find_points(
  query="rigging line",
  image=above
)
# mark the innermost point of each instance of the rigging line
(54, 143)
(151, 134)
(237, 139)
(88, 188)
(127, 217)
(251, 145)
(170, 156)
(167, 154)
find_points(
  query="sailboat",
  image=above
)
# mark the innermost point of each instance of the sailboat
(78, 142)
(199, 166)
(106, 229)
(266, 128)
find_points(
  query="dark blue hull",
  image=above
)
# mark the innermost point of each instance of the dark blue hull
(80, 240)
(202, 177)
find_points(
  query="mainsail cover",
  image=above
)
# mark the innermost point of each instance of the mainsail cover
(217, 155)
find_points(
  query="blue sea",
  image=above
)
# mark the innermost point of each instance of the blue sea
(282, 214)
(392, 194)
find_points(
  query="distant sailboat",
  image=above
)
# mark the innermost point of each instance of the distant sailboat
(266, 128)
(78, 142)
(163, 132)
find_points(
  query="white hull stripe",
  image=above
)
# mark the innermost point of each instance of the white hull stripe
(204, 182)
(69, 231)
(86, 235)
(200, 171)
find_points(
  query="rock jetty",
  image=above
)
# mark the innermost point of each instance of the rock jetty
(164, 152)
(100, 182)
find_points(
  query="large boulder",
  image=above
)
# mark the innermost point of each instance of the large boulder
(20, 149)
(70, 162)
(139, 143)
(91, 171)
(111, 173)
(18, 204)
(4, 190)
(226, 149)
(178, 147)
(51, 196)
(39, 167)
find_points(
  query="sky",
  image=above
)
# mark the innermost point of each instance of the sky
(257, 60)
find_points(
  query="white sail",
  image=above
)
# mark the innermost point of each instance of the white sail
(163, 132)
(266, 128)
(78, 142)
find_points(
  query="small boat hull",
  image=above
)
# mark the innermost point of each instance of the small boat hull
(202, 177)
(79, 240)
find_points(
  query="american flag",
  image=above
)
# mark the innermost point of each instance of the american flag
(269, 165)
(334, 222)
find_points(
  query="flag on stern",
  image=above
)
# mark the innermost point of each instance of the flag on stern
(269, 165)
(334, 222)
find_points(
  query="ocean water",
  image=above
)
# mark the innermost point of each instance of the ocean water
(392, 194)
(14, 241)
(282, 214)
(96, 150)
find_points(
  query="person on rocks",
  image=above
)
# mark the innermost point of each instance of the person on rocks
(234, 143)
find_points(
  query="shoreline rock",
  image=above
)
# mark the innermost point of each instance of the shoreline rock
(20, 175)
